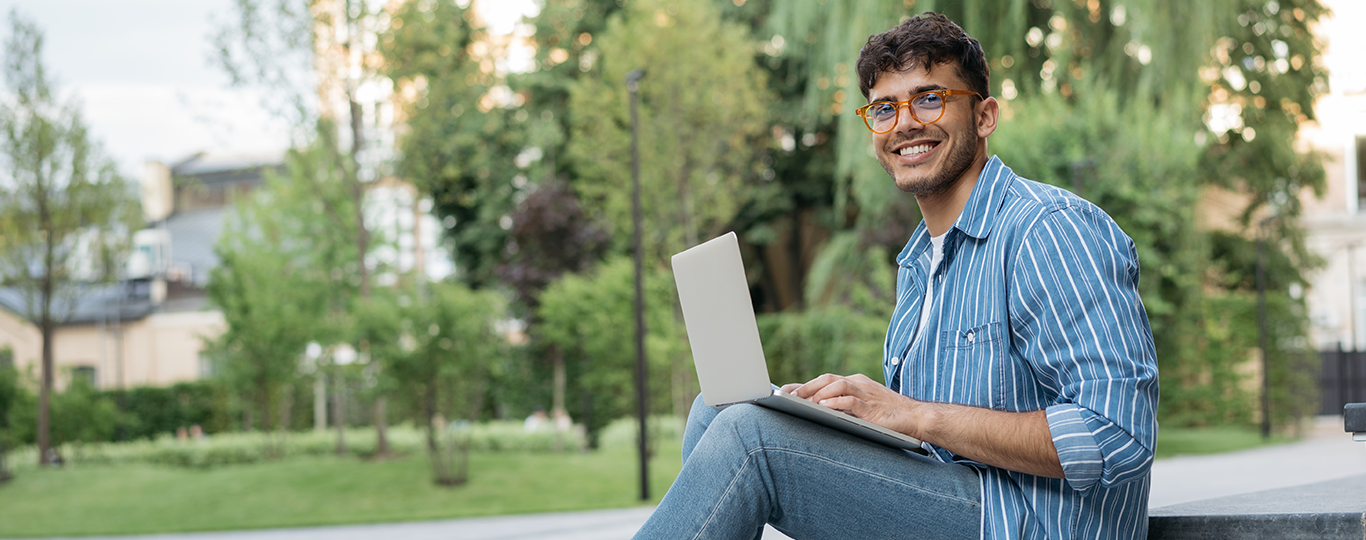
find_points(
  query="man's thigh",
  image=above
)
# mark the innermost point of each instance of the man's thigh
(810, 481)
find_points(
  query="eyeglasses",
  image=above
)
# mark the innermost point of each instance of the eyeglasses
(926, 108)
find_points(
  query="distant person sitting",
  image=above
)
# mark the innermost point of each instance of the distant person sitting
(535, 421)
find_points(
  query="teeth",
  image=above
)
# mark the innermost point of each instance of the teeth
(913, 150)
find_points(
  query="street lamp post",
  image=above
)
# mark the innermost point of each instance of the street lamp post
(1261, 331)
(641, 409)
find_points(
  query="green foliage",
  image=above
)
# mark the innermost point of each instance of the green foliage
(226, 449)
(697, 146)
(436, 347)
(66, 215)
(802, 346)
(82, 415)
(286, 271)
(460, 143)
(149, 412)
(591, 319)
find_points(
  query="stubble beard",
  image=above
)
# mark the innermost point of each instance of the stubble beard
(958, 161)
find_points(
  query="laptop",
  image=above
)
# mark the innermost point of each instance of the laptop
(725, 342)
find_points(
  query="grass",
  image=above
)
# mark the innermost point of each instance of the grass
(1211, 440)
(144, 498)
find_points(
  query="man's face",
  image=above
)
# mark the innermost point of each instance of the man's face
(926, 160)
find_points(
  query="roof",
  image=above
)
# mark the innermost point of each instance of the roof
(202, 163)
(215, 168)
(93, 303)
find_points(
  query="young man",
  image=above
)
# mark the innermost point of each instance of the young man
(1019, 351)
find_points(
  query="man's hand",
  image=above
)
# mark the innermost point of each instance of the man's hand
(859, 396)
(1018, 441)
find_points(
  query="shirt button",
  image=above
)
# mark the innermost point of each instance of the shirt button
(895, 360)
(972, 337)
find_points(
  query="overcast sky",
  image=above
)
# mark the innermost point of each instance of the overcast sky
(141, 69)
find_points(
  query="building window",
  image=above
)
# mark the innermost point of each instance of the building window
(84, 374)
(1361, 173)
(205, 367)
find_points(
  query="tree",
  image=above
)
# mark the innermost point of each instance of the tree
(698, 147)
(584, 314)
(436, 348)
(67, 214)
(550, 237)
(320, 62)
(1134, 102)
(10, 394)
(460, 143)
(280, 279)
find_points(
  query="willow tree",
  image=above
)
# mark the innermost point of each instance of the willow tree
(1137, 103)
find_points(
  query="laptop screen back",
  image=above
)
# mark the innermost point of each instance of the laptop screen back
(720, 319)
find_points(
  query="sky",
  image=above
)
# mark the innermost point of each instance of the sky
(142, 72)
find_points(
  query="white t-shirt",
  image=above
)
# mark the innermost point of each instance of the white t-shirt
(936, 255)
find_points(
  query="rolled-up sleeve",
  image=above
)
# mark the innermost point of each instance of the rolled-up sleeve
(1078, 320)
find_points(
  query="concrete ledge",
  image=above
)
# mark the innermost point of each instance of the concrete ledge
(1327, 510)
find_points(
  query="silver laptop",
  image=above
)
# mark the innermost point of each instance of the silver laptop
(725, 342)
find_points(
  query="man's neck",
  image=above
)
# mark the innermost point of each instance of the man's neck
(943, 208)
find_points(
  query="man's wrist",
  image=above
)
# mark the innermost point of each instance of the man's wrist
(925, 418)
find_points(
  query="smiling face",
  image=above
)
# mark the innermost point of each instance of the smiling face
(928, 160)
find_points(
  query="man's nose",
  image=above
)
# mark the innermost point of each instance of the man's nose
(905, 120)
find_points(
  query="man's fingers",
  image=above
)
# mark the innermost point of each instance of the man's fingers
(790, 388)
(859, 377)
(838, 387)
(846, 404)
(813, 386)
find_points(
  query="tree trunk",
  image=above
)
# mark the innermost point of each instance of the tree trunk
(47, 326)
(381, 427)
(320, 402)
(45, 391)
(557, 395)
(441, 466)
(339, 410)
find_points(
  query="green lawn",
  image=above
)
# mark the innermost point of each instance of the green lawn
(1210, 440)
(136, 498)
(300, 491)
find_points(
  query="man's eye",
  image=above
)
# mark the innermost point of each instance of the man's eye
(882, 110)
(931, 100)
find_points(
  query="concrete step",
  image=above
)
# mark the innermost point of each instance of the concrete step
(1330, 510)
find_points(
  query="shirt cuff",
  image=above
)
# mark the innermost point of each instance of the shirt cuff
(1077, 448)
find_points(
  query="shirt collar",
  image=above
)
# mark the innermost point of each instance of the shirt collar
(978, 216)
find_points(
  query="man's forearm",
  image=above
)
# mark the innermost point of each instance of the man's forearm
(1015, 441)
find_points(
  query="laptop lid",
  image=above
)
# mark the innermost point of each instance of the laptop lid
(720, 318)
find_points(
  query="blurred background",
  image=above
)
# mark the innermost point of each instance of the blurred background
(287, 262)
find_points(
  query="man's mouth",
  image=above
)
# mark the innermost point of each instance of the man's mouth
(916, 150)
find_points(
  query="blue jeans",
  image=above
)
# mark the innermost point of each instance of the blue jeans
(747, 465)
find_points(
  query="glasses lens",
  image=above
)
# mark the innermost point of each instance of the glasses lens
(927, 107)
(881, 116)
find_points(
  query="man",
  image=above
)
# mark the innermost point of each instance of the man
(1019, 351)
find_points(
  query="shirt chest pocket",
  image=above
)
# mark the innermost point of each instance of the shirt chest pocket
(970, 364)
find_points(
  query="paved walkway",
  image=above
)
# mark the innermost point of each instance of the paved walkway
(1326, 454)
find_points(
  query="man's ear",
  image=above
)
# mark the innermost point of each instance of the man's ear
(988, 112)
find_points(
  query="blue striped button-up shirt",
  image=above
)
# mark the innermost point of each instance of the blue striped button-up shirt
(1036, 307)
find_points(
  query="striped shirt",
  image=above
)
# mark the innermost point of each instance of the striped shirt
(1036, 307)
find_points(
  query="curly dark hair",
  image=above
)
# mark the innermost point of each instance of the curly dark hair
(929, 39)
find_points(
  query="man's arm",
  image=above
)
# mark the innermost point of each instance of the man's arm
(1015, 441)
